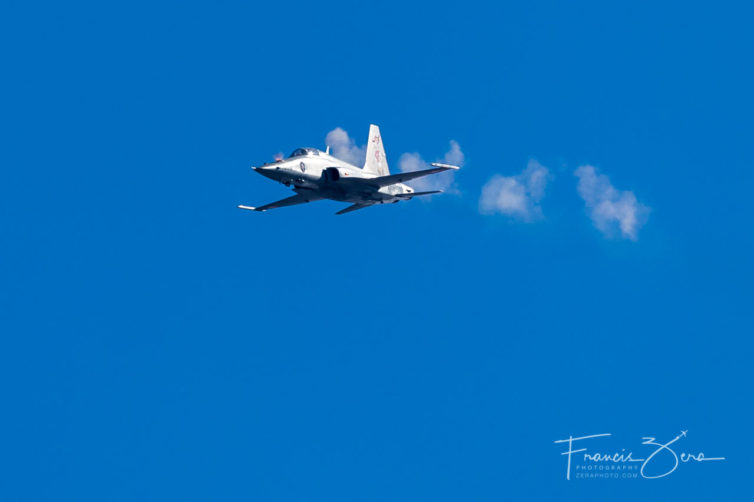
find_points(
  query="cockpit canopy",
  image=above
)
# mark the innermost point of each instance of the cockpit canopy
(298, 152)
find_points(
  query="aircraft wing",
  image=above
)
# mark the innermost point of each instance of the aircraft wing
(354, 207)
(391, 179)
(290, 201)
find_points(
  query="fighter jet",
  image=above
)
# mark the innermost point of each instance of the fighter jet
(316, 175)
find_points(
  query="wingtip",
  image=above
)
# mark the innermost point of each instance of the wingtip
(248, 208)
(446, 166)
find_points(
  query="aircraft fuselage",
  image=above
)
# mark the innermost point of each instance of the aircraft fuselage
(316, 175)
(331, 178)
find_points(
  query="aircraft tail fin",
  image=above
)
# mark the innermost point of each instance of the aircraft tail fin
(376, 162)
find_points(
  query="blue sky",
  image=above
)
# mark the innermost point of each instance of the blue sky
(160, 344)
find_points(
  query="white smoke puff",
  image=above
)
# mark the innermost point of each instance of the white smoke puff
(614, 212)
(516, 196)
(345, 148)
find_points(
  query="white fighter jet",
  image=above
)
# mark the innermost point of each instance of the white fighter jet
(315, 175)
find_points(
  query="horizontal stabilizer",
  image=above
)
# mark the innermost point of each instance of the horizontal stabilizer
(414, 194)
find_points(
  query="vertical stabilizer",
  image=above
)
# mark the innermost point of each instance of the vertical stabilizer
(376, 162)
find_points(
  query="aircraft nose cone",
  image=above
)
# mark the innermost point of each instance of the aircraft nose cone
(265, 171)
